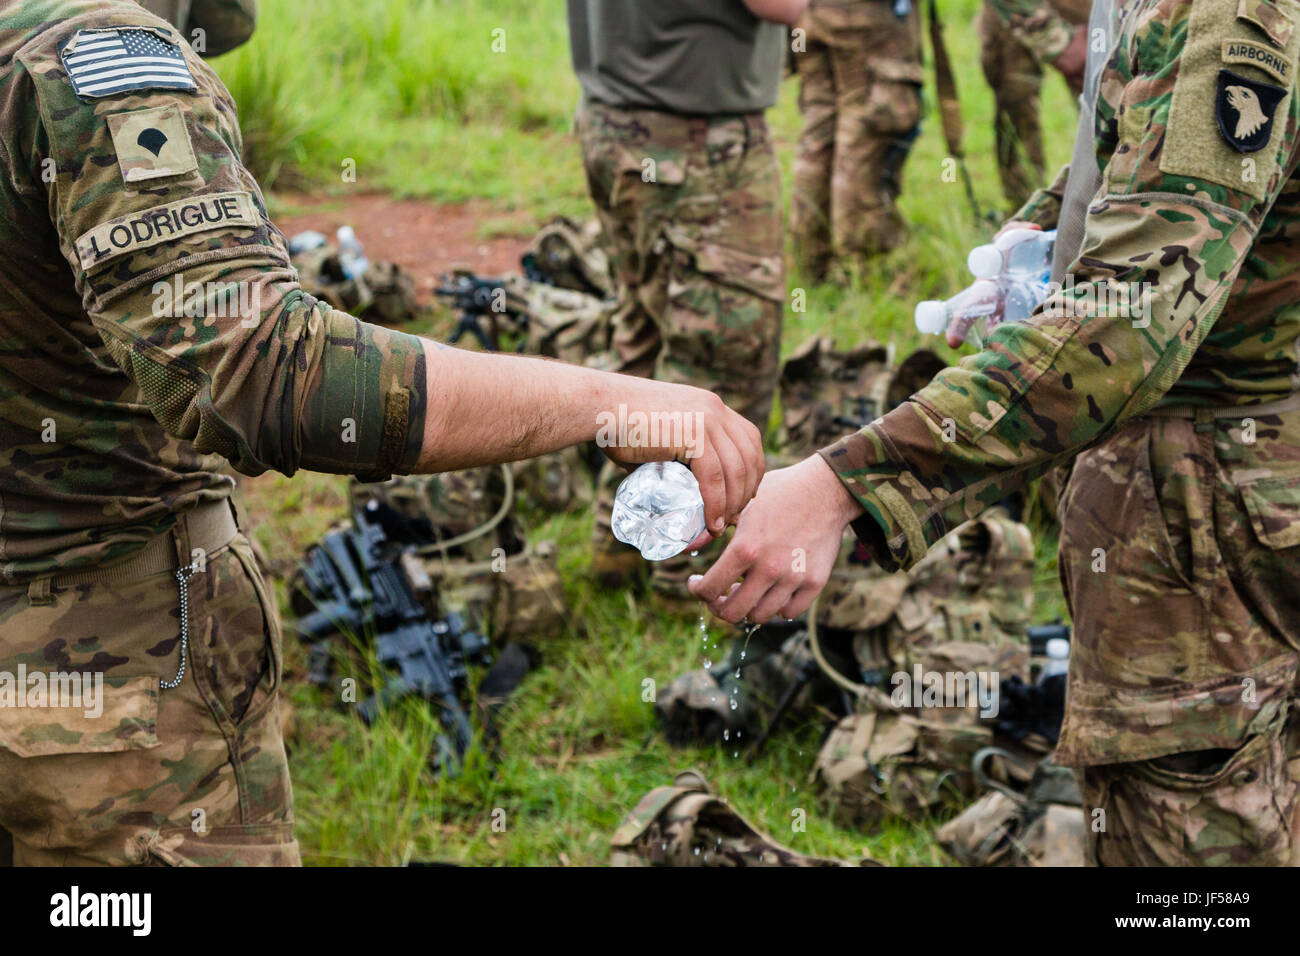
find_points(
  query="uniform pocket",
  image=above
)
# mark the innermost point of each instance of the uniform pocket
(258, 845)
(236, 642)
(75, 713)
(1274, 508)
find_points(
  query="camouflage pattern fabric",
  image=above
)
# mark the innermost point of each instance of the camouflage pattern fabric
(1043, 826)
(686, 825)
(1044, 28)
(115, 394)
(860, 95)
(221, 25)
(492, 575)
(1193, 511)
(1014, 74)
(878, 764)
(690, 207)
(193, 775)
(1216, 808)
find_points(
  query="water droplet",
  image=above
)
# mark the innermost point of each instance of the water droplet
(707, 663)
(695, 554)
(726, 734)
(734, 705)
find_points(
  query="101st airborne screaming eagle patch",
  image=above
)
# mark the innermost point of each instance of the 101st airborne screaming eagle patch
(1245, 109)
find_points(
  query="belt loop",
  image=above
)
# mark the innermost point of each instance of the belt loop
(181, 536)
(39, 593)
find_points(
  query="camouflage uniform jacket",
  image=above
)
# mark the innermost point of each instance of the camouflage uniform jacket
(1195, 136)
(149, 317)
(222, 25)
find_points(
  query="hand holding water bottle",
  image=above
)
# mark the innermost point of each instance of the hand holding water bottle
(1011, 279)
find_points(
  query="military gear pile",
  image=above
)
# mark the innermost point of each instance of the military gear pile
(384, 292)
(1043, 825)
(964, 611)
(687, 825)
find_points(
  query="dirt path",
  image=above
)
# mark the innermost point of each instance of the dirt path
(426, 238)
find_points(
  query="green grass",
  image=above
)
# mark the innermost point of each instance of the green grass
(412, 92)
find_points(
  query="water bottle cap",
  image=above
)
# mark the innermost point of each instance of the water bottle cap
(931, 317)
(1058, 648)
(985, 262)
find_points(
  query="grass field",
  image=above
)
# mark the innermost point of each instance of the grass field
(412, 92)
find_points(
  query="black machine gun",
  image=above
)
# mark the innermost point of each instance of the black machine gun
(477, 298)
(355, 584)
(1040, 634)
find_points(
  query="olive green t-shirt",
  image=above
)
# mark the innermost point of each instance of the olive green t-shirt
(698, 57)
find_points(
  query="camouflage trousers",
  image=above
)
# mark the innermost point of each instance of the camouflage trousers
(691, 211)
(860, 95)
(145, 773)
(1180, 548)
(1016, 79)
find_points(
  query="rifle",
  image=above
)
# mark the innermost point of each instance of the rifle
(476, 298)
(1040, 634)
(356, 583)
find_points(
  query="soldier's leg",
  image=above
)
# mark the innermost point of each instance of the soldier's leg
(1016, 81)
(810, 200)
(144, 773)
(1202, 808)
(623, 199)
(878, 83)
(1184, 659)
(719, 291)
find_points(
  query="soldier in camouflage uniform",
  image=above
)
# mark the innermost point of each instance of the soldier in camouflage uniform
(859, 69)
(1181, 520)
(681, 167)
(212, 27)
(1017, 37)
(120, 559)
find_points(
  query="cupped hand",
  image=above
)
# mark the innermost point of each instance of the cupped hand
(784, 548)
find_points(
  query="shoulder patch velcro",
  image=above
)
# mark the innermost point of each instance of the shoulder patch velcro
(1245, 109)
(117, 60)
(1266, 15)
(173, 220)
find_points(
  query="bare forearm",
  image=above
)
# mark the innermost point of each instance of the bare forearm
(778, 11)
(485, 408)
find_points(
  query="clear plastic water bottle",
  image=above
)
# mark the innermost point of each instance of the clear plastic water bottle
(1017, 253)
(352, 258)
(658, 510)
(1011, 280)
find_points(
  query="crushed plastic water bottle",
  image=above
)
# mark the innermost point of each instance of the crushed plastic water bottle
(658, 510)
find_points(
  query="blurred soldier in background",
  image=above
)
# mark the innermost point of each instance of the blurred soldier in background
(212, 27)
(1017, 37)
(681, 168)
(859, 66)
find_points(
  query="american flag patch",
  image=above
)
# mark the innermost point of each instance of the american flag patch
(109, 62)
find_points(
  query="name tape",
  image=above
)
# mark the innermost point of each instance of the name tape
(174, 220)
